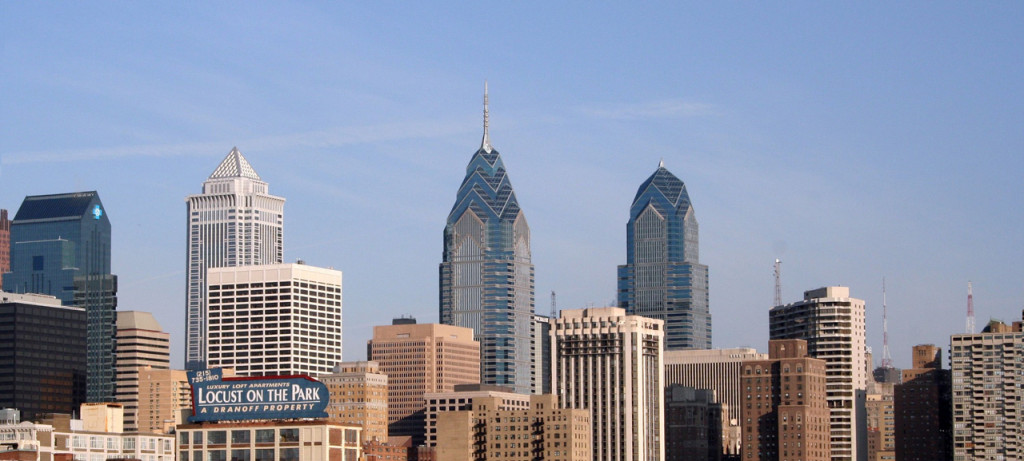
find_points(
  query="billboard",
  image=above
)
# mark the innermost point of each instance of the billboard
(216, 398)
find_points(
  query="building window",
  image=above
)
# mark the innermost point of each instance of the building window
(216, 455)
(240, 455)
(289, 454)
(265, 436)
(217, 437)
(239, 438)
(289, 435)
(264, 455)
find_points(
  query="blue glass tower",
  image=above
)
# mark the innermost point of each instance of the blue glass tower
(60, 246)
(662, 277)
(486, 277)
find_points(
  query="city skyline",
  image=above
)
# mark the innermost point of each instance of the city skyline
(851, 142)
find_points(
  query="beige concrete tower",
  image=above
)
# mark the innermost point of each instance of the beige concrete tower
(140, 343)
(359, 396)
(418, 359)
(611, 363)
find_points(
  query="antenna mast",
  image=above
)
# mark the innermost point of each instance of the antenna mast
(970, 309)
(886, 356)
(778, 282)
(554, 308)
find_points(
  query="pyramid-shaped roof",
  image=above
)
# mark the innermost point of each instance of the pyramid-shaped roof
(235, 166)
(668, 185)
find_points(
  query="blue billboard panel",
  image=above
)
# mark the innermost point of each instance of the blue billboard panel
(215, 398)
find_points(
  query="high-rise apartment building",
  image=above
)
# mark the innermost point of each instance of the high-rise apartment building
(140, 343)
(541, 431)
(359, 396)
(719, 371)
(924, 408)
(274, 320)
(881, 421)
(60, 246)
(988, 391)
(486, 277)
(42, 355)
(234, 222)
(420, 359)
(461, 399)
(163, 395)
(611, 363)
(5, 246)
(832, 323)
(785, 409)
(663, 277)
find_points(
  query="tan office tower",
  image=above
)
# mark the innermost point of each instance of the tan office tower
(832, 323)
(542, 431)
(881, 421)
(140, 343)
(359, 396)
(273, 320)
(418, 359)
(462, 399)
(785, 410)
(611, 363)
(163, 395)
(988, 388)
(718, 370)
(923, 407)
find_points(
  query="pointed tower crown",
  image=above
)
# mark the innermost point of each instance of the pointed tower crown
(485, 143)
(235, 166)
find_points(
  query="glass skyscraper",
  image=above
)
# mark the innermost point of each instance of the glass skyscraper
(486, 277)
(663, 277)
(234, 222)
(60, 246)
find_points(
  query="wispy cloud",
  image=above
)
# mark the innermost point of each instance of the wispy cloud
(654, 109)
(338, 136)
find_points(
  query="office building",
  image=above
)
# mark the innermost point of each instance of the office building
(42, 355)
(663, 277)
(785, 409)
(540, 431)
(541, 354)
(294, 440)
(60, 246)
(140, 343)
(359, 396)
(96, 436)
(5, 246)
(832, 323)
(988, 391)
(420, 359)
(693, 424)
(486, 277)
(881, 420)
(924, 409)
(719, 371)
(164, 395)
(611, 363)
(234, 222)
(274, 320)
(461, 399)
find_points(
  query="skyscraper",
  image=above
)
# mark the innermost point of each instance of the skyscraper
(60, 246)
(275, 319)
(663, 277)
(924, 409)
(5, 246)
(234, 222)
(141, 343)
(832, 323)
(611, 363)
(486, 277)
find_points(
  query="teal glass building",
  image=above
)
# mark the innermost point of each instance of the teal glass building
(663, 277)
(60, 246)
(486, 276)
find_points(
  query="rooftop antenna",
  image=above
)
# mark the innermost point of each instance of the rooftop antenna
(778, 282)
(970, 309)
(554, 308)
(886, 356)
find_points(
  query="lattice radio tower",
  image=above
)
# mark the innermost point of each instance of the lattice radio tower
(778, 283)
(886, 356)
(554, 308)
(970, 309)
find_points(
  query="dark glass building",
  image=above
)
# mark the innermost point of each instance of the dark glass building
(5, 245)
(663, 277)
(42, 355)
(60, 246)
(486, 276)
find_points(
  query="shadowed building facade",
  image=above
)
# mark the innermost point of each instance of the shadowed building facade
(486, 275)
(234, 222)
(663, 277)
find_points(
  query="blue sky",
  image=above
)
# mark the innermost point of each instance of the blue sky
(852, 140)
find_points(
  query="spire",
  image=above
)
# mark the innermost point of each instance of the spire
(661, 163)
(485, 144)
(235, 166)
